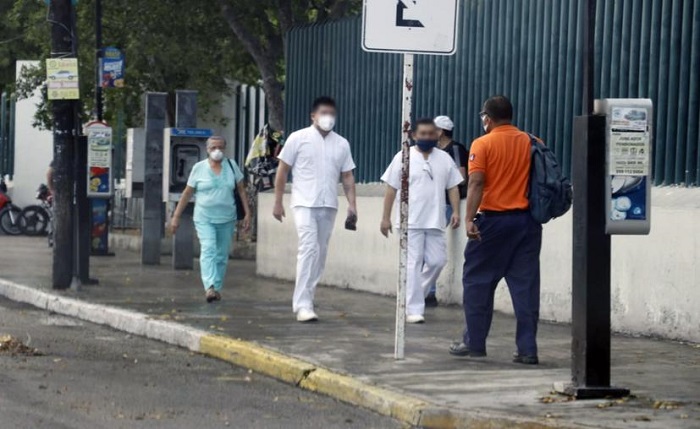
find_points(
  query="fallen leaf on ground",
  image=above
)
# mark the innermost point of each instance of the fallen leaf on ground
(12, 346)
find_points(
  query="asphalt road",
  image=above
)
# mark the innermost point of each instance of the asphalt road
(92, 377)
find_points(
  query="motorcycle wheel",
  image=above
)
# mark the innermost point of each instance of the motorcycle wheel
(11, 220)
(34, 221)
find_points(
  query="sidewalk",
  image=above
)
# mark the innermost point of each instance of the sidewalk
(355, 336)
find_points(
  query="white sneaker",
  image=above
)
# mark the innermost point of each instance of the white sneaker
(306, 315)
(415, 318)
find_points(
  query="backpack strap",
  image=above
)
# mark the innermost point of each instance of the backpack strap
(233, 170)
(455, 152)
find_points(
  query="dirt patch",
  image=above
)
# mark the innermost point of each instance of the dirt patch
(10, 345)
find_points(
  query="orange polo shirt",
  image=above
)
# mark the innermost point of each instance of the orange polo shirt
(503, 155)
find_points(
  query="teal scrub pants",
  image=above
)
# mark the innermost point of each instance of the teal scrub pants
(215, 242)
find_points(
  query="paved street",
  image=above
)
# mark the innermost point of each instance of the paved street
(93, 377)
(355, 336)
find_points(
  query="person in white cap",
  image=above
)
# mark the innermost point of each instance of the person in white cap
(458, 152)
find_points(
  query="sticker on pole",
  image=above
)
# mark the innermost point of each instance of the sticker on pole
(99, 162)
(62, 79)
(410, 26)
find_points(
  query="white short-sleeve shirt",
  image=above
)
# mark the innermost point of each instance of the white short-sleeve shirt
(317, 164)
(428, 180)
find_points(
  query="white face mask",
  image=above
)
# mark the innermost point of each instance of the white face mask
(326, 122)
(216, 155)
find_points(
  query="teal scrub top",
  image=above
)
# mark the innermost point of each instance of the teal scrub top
(214, 200)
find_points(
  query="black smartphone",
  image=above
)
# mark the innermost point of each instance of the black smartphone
(351, 222)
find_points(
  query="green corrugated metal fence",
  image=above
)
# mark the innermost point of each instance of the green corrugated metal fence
(525, 49)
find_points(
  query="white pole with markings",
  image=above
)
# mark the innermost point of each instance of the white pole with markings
(427, 27)
(406, 113)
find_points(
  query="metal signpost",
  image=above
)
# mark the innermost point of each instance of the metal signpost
(408, 27)
(612, 195)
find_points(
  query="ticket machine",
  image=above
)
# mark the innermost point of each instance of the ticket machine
(183, 148)
(628, 136)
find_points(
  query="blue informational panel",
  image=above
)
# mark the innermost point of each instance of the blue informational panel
(629, 144)
(112, 68)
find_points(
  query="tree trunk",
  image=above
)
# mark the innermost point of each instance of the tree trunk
(275, 102)
(266, 57)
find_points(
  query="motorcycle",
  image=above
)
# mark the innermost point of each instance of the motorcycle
(38, 219)
(10, 214)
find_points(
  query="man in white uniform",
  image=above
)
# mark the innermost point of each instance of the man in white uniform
(318, 159)
(432, 171)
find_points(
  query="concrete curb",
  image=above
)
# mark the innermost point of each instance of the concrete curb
(309, 376)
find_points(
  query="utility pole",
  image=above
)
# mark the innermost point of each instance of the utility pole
(63, 38)
(99, 108)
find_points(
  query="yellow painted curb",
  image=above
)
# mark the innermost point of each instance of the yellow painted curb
(306, 375)
(356, 392)
(257, 358)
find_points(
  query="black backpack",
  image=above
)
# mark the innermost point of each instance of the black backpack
(550, 193)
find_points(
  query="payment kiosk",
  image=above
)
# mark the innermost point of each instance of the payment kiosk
(628, 139)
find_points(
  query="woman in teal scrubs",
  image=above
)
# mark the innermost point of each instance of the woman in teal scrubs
(213, 181)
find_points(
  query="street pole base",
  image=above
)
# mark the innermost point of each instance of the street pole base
(590, 392)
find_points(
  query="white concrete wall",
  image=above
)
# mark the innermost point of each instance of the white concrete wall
(33, 148)
(655, 281)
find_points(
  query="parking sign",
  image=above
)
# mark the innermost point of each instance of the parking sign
(410, 26)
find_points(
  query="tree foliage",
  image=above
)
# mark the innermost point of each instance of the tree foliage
(178, 44)
(261, 27)
(169, 45)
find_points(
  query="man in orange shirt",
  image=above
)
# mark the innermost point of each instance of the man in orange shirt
(504, 239)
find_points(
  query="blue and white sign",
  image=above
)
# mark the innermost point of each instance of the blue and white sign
(112, 68)
(191, 132)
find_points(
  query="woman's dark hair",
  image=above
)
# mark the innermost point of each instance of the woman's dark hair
(322, 101)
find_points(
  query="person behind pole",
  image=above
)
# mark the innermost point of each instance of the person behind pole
(432, 172)
(49, 177)
(459, 154)
(214, 181)
(504, 239)
(318, 158)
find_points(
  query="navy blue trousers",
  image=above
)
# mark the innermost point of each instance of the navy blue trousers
(509, 248)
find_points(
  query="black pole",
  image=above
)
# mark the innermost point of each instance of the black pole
(590, 345)
(63, 46)
(99, 108)
(588, 13)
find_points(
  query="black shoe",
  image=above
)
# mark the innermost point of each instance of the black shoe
(526, 360)
(211, 295)
(461, 349)
(431, 300)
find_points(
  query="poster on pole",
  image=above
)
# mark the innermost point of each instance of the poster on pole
(99, 167)
(62, 79)
(112, 68)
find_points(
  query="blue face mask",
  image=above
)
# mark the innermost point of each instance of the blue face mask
(426, 145)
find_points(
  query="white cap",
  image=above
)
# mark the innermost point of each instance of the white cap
(444, 123)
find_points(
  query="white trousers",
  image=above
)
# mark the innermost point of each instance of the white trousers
(427, 256)
(314, 228)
